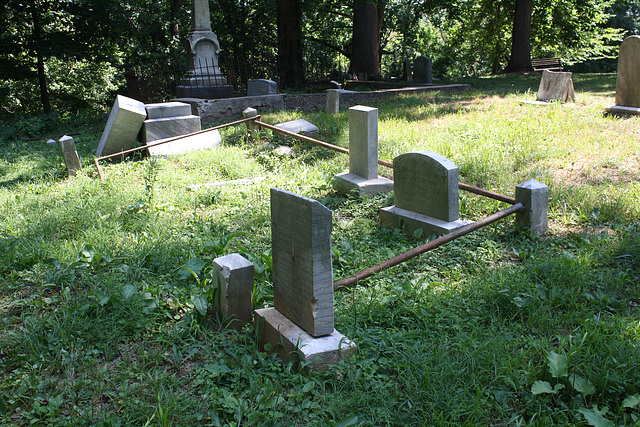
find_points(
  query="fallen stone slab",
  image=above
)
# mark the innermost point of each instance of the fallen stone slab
(122, 128)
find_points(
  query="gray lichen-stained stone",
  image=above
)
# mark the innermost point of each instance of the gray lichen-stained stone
(185, 143)
(293, 343)
(302, 265)
(363, 141)
(71, 159)
(556, 86)
(628, 83)
(426, 194)
(261, 87)
(167, 109)
(426, 183)
(123, 125)
(233, 285)
(363, 155)
(534, 196)
(333, 101)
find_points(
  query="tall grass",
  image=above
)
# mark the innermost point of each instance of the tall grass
(98, 323)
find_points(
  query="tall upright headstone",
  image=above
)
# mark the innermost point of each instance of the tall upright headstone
(426, 194)
(203, 78)
(363, 154)
(628, 83)
(422, 69)
(302, 269)
(301, 320)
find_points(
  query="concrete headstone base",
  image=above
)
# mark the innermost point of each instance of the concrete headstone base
(409, 222)
(291, 342)
(347, 182)
(300, 126)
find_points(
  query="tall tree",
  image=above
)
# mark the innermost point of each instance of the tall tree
(290, 49)
(367, 31)
(520, 59)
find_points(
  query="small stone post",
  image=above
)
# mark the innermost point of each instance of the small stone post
(251, 125)
(534, 196)
(233, 287)
(71, 159)
(333, 101)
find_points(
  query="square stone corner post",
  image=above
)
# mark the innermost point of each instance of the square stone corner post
(233, 286)
(534, 196)
(251, 125)
(71, 159)
(333, 101)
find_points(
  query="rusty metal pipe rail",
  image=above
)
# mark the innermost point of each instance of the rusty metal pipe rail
(165, 141)
(465, 187)
(353, 280)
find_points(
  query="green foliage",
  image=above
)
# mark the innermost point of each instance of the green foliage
(100, 324)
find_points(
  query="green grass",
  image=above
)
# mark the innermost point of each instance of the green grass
(99, 326)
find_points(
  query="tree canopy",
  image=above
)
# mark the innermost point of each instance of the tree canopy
(76, 52)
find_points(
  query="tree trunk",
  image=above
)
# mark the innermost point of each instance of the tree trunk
(520, 59)
(365, 47)
(37, 46)
(289, 62)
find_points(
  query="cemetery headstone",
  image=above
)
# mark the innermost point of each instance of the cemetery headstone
(363, 154)
(122, 128)
(302, 268)
(71, 159)
(172, 119)
(300, 126)
(259, 87)
(203, 78)
(628, 82)
(301, 320)
(422, 70)
(426, 194)
(333, 101)
(233, 287)
(556, 86)
(535, 197)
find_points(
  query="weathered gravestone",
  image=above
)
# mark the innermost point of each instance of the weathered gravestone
(71, 159)
(301, 126)
(426, 194)
(333, 101)
(556, 86)
(233, 286)
(628, 83)
(124, 123)
(363, 155)
(259, 87)
(203, 78)
(301, 320)
(422, 70)
(171, 119)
